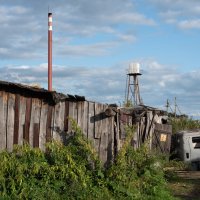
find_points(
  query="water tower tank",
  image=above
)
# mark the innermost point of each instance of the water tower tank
(134, 68)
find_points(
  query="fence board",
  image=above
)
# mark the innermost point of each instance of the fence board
(27, 119)
(52, 122)
(66, 120)
(72, 114)
(98, 119)
(124, 120)
(110, 148)
(117, 127)
(59, 118)
(22, 113)
(10, 121)
(82, 116)
(91, 121)
(143, 135)
(103, 147)
(43, 122)
(35, 118)
(48, 124)
(86, 120)
(151, 130)
(16, 119)
(36, 130)
(3, 119)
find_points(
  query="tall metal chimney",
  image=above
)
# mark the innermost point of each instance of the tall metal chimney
(50, 51)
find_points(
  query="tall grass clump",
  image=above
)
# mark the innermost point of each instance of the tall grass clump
(73, 171)
(179, 124)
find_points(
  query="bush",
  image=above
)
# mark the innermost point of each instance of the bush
(179, 124)
(75, 172)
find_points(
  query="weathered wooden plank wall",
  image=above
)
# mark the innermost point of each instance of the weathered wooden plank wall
(31, 119)
(23, 118)
(161, 138)
(3, 119)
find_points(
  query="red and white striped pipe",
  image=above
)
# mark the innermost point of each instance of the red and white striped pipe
(50, 51)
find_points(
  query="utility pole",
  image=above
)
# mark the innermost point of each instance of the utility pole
(175, 106)
(167, 106)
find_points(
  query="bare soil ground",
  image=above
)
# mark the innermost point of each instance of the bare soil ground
(186, 188)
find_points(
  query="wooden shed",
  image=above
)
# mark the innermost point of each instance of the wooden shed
(38, 116)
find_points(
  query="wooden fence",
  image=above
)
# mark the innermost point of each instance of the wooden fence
(38, 116)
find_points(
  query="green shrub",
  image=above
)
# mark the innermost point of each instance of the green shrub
(73, 171)
(179, 124)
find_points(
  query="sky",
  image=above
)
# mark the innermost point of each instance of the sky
(95, 41)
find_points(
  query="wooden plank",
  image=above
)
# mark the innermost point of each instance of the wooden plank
(35, 118)
(22, 113)
(189, 175)
(79, 113)
(59, 117)
(103, 148)
(96, 143)
(137, 139)
(148, 123)
(66, 117)
(43, 127)
(3, 119)
(106, 139)
(55, 121)
(99, 110)
(16, 119)
(10, 121)
(143, 135)
(115, 128)
(36, 130)
(151, 129)
(124, 121)
(97, 119)
(72, 114)
(52, 122)
(165, 128)
(85, 119)
(27, 119)
(48, 124)
(91, 122)
(35, 121)
(83, 116)
(110, 148)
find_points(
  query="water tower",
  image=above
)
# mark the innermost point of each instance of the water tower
(132, 85)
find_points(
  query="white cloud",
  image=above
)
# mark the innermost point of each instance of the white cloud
(107, 84)
(95, 49)
(132, 18)
(24, 27)
(182, 13)
(190, 24)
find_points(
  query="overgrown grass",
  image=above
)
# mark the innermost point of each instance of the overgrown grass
(179, 124)
(75, 172)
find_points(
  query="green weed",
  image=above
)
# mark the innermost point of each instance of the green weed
(73, 171)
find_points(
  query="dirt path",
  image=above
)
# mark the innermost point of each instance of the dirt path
(186, 186)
